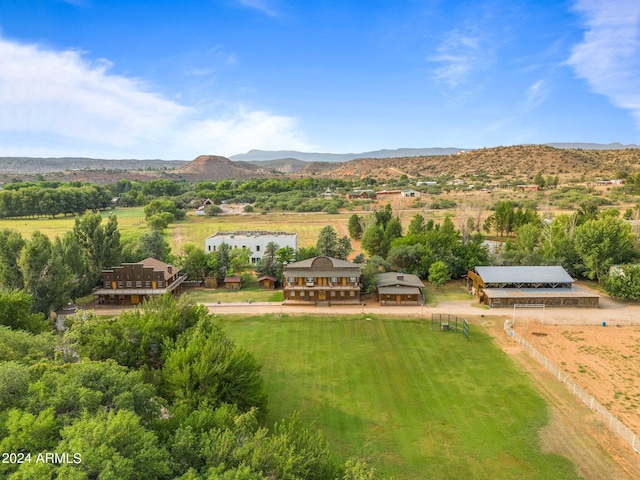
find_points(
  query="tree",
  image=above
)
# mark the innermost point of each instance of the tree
(439, 273)
(373, 241)
(304, 253)
(212, 210)
(383, 216)
(392, 231)
(194, 262)
(11, 244)
(113, 445)
(602, 243)
(207, 367)
(15, 312)
(153, 245)
(269, 264)
(624, 282)
(343, 249)
(355, 227)
(45, 276)
(417, 226)
(98, 247)
(327, 241)
(160, 221)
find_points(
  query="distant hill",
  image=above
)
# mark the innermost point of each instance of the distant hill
(506, 162)
(592, 146)
(213, 167)
(32, 165)
(264, 155)
(282, 165)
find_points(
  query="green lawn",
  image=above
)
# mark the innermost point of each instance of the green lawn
(230, 296)
(418, 403)
(451, 291)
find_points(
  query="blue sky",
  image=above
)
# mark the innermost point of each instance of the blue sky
(176, 79)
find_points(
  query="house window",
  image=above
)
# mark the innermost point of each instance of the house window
(334, 279)
(119, 284)
(129, 284)
(257, 248)
(107, 285)
(292, 294)
(292, 280)
(333, 293)
(160, 284)
(352, 293)
(312, 293)
(309, 279)
(342, 294)
(353, 279)
(214, 248)
(147, 284)
(138, 284)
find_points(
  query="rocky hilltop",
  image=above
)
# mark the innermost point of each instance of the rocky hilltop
(213, 167)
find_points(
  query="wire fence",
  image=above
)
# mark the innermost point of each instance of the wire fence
(616, 425)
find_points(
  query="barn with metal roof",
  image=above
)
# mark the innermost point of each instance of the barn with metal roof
(548, 285)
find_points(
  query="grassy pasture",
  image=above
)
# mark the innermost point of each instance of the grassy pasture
(418, 403)
(130, 223)
(195, 229)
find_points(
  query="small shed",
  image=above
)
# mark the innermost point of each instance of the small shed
(232, 283)
(210, 282)
(267, 282)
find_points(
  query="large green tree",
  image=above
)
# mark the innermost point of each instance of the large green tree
(602, 243)
(45, 276)
(11, 244)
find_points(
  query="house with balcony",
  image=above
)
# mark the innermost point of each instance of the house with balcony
(131, 283)
(322, 281)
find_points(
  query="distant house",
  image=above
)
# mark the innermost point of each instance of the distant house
(131, 283)
(254, 240)
(328, 194)
(382, 193)
(232, 282)
(408, 193)
(363, 194)
(395, 288)
(427, 184)
(529, 188)
(322, 281)
(267, 282)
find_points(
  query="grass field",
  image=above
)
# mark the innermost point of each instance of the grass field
(130, 223)
(195, 229)
(418, 403)
(230, 296)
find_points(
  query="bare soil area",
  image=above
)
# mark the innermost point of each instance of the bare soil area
(605, 361)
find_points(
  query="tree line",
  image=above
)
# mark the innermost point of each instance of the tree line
(37, 201)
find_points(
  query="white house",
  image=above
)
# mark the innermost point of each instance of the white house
(256, 241)
(408, 193)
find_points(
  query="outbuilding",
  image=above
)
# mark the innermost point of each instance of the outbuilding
(507, 286)
(267, 282)
(394, 288)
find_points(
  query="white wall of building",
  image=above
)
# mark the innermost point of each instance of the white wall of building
(255, 241)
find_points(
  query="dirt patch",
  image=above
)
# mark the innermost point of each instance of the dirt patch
(573, 430)
(604, 361)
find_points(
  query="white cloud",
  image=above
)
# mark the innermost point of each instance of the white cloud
(57, 103)
(459, 55)
(260, 5)
(608, 57)
(536, 94)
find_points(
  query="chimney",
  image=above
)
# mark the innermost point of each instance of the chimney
(400, 276)
(169, 268)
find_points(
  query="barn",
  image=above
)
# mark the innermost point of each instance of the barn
(551, 286)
